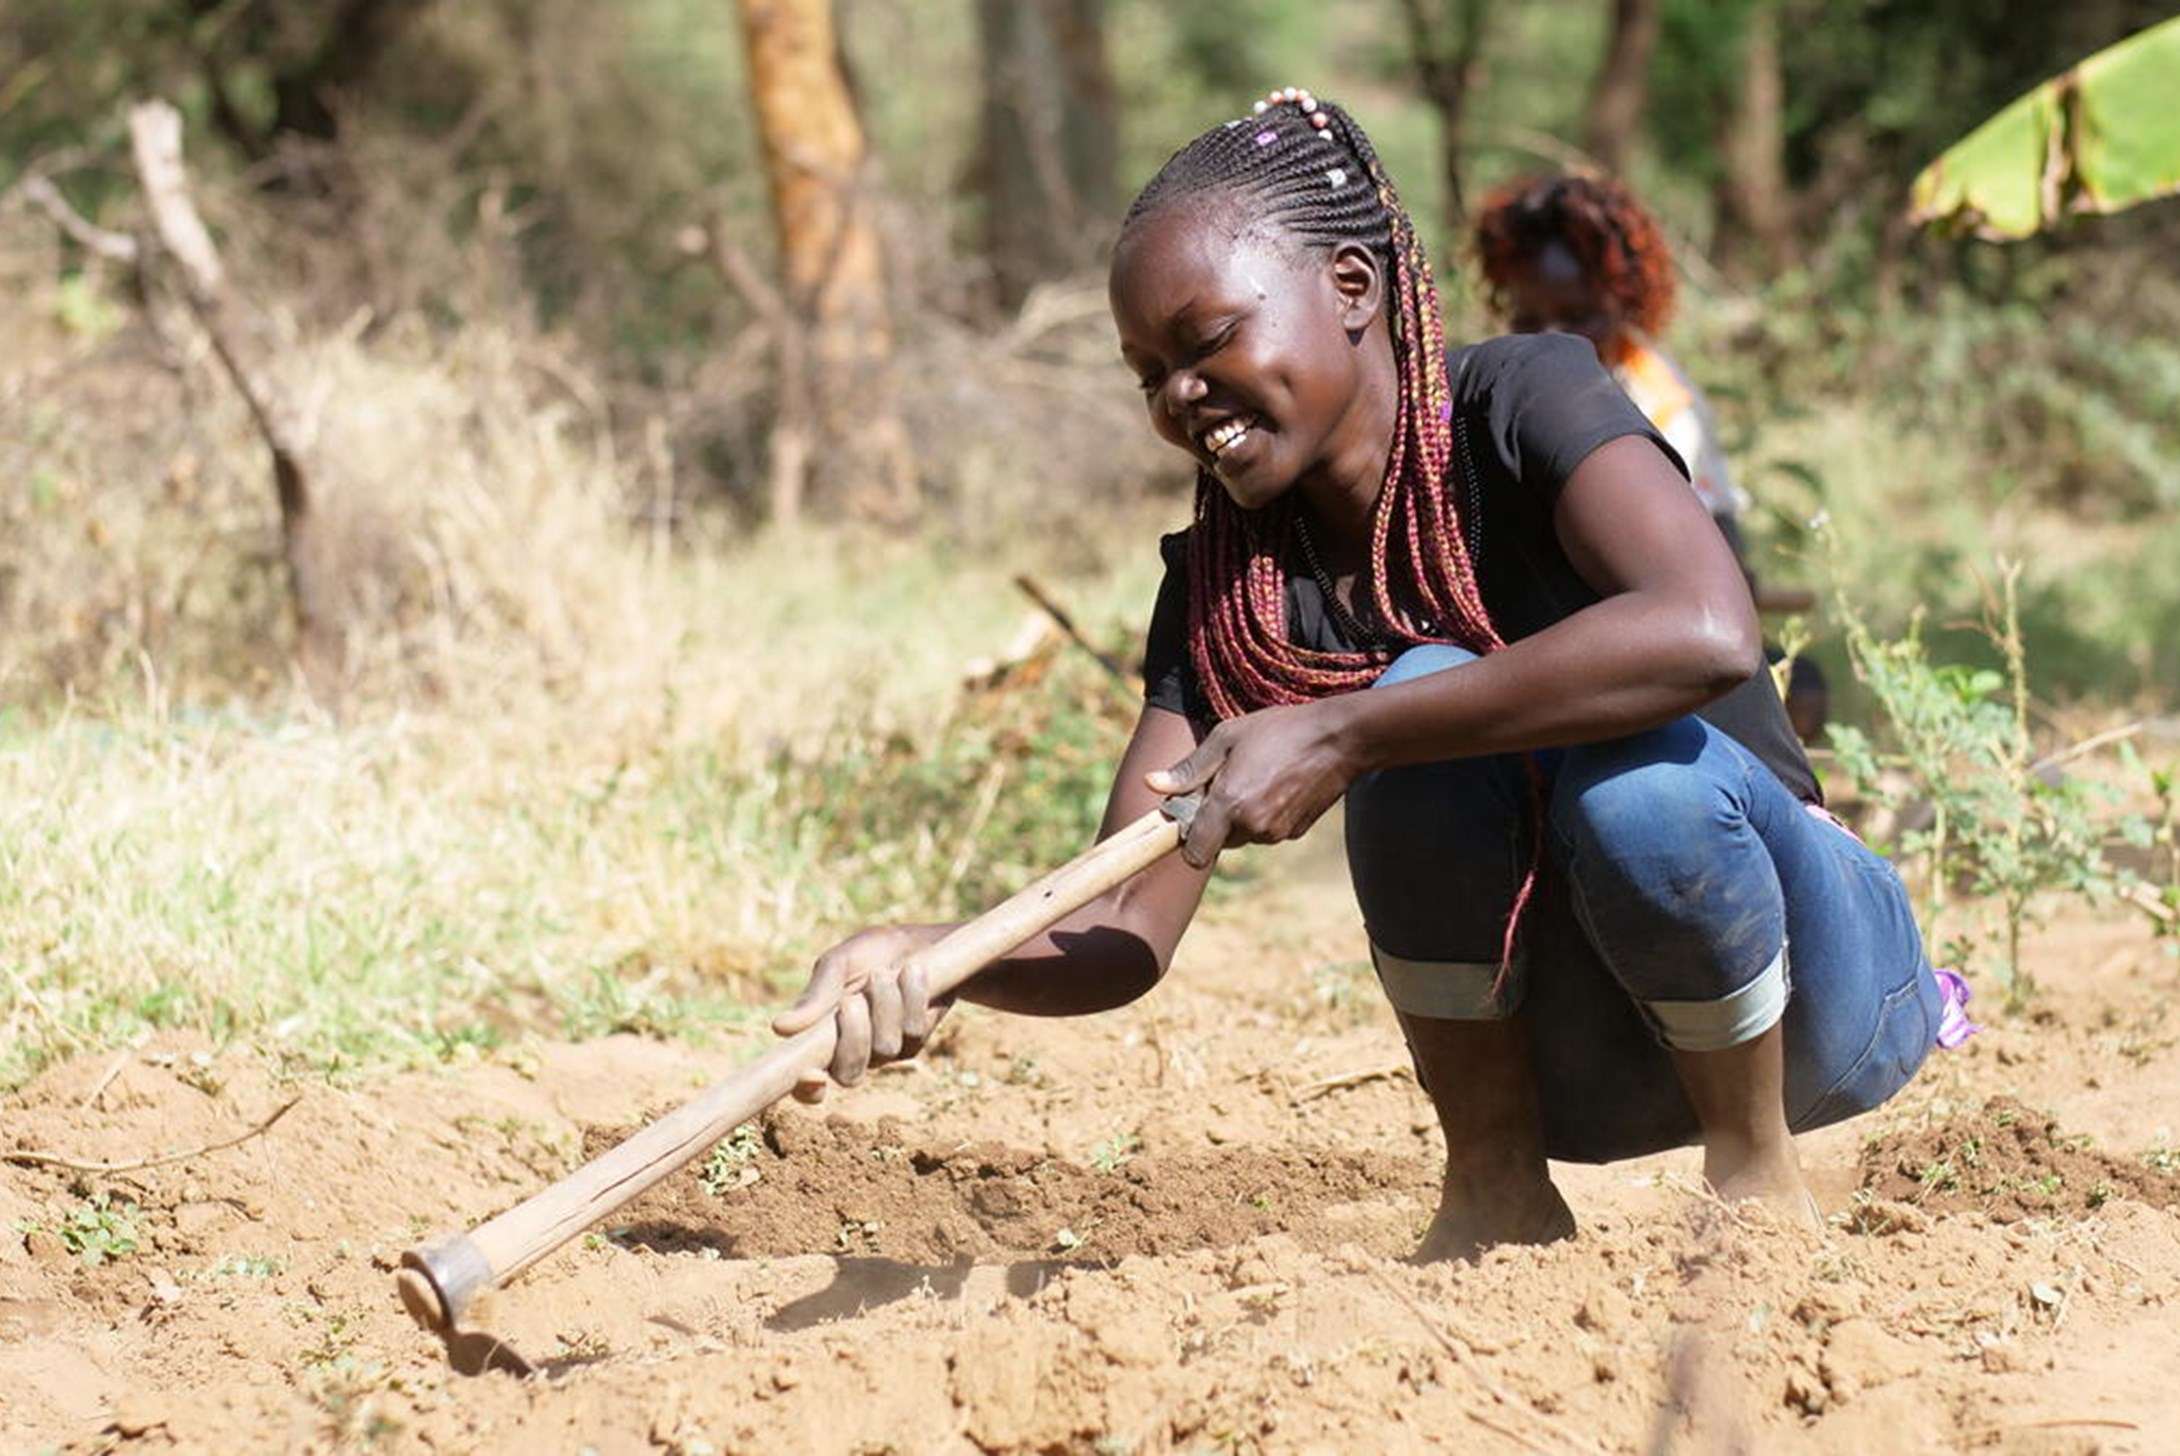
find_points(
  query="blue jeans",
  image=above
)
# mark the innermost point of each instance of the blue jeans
(1686, 900)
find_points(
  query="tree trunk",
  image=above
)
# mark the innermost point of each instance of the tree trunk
(1446, 40)
(1755, 216)
(1046, 157)
(1622, 84)
(830, 260)
(155, 135)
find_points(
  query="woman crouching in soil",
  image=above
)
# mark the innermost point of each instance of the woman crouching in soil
(1471, 592)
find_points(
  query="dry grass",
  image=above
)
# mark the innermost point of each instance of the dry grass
(585, 774)
(587, 771)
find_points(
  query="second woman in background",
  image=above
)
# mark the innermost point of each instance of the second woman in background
(1580, 255)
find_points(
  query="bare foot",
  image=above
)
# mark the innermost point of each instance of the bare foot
(1472, 1219)
(1774, 1184)
(1748, 1151)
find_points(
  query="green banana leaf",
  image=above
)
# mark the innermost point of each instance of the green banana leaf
(2101, 136)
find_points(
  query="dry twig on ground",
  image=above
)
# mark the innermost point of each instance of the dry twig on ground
(36, 1158)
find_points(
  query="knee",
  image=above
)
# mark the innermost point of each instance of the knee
(1643, 794)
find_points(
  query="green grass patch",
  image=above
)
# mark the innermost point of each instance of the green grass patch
(427, 888)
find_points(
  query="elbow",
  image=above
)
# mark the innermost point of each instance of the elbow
(1119, 990)
(1099, 969)
(1128, 968)
(1725, 649)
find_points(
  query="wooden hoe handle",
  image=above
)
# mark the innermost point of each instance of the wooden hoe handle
(437, 1280)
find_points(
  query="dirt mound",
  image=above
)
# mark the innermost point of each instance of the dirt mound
(2007, 1161)
(797, 1184)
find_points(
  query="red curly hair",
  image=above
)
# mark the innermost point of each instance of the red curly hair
(1615, 239)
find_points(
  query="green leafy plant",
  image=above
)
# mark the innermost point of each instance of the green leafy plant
(2097, 138)
(97, 1229)
(732, 1164)
(1982, 809)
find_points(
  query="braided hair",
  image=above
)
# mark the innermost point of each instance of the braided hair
(1615, 239)
(1306, 168)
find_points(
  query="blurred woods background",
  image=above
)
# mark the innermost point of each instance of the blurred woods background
(658, 397)
(535, 284)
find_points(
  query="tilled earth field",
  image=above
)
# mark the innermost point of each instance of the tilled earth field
(1180, 1227)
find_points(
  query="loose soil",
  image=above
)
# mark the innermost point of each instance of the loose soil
(1179, 1227)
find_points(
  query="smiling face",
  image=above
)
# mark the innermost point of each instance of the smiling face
(1268, 363)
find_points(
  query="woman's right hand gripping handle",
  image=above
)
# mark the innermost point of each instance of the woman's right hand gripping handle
(878, 994)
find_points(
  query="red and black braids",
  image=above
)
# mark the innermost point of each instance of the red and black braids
(1615, 239)
(1324, 185)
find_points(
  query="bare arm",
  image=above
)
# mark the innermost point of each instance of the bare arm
(1118, 946)
(1673, 631)
(1104, 955)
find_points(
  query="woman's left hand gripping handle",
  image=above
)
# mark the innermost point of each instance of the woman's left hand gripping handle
(1263, 778)
(880, 998)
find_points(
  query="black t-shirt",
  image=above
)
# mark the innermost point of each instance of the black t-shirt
(1531, 408)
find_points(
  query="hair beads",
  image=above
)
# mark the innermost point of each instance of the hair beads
(1305, 166)
(1289, 161)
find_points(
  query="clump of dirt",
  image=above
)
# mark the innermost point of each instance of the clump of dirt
(2009, 1162)
(802, 1185)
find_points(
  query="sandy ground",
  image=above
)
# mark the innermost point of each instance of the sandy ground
(1180, 1227)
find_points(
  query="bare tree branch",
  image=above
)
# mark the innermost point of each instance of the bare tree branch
(792, 443)
(39, 192)
(155, 135)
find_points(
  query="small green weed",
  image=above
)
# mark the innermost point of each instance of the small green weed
(348, 1391)
(331, 1349)
(95, 1230)
(1110, 1155)
(607, 1001)
(1939, 1176)
(731, 1165)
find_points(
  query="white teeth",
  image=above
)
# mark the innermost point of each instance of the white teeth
(1223, 438)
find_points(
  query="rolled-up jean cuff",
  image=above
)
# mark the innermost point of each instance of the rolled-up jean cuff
(1448, 990)
(1713, 1026)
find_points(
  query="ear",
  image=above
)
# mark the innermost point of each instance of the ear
(1358, 279)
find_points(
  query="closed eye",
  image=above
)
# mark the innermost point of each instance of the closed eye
(1210, 344)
